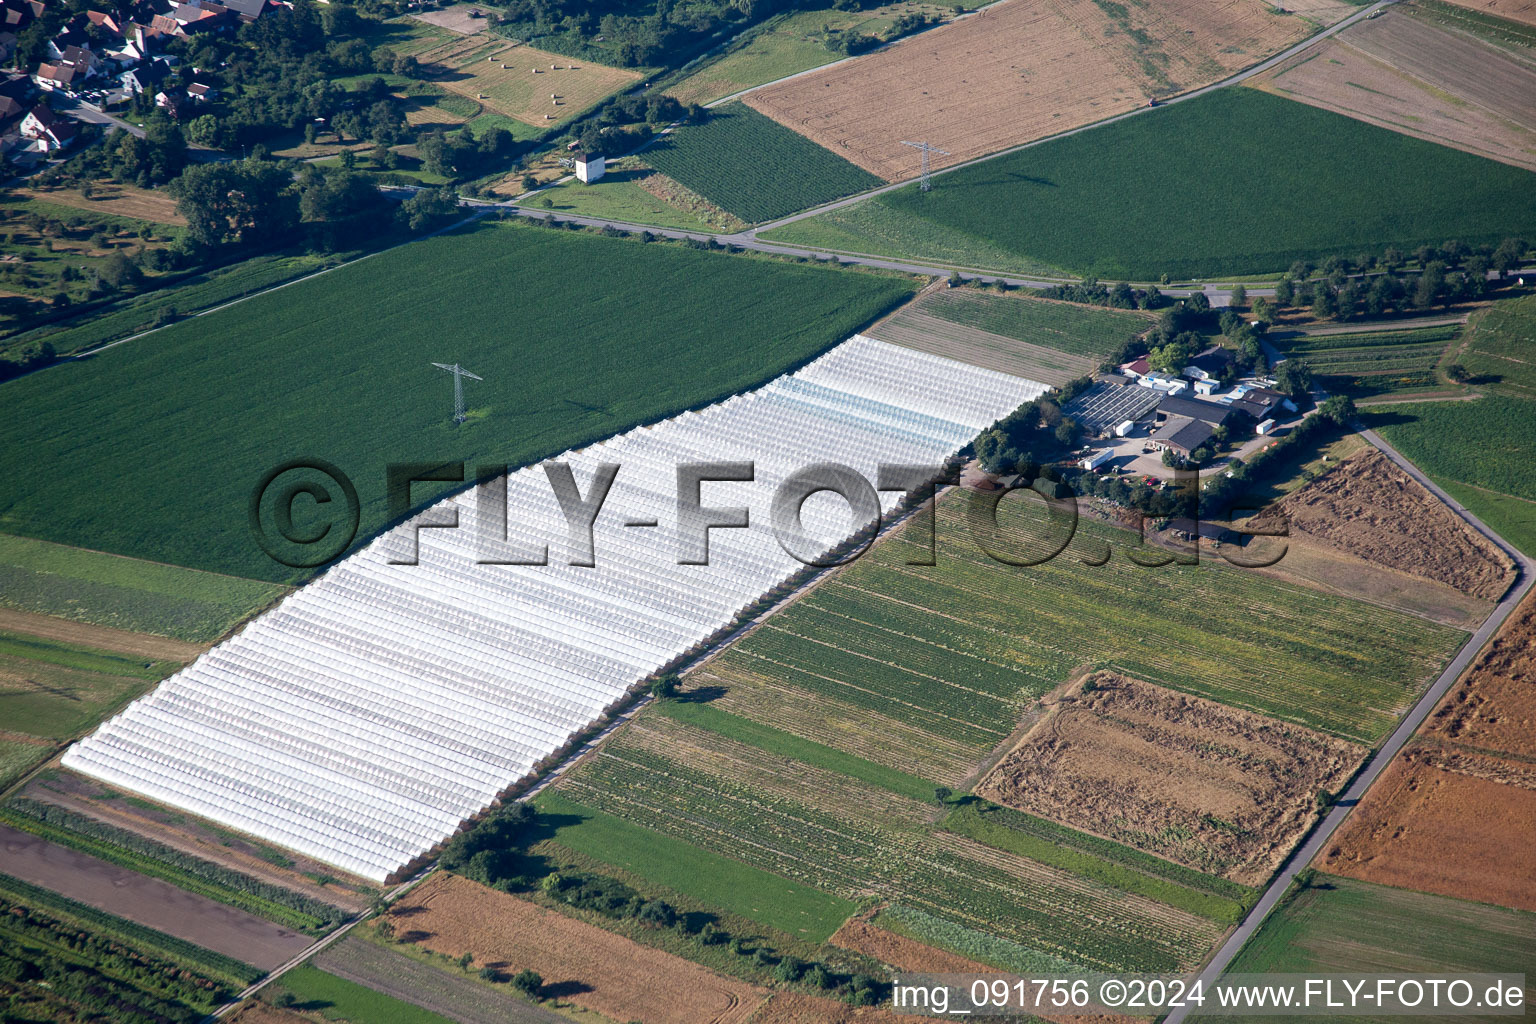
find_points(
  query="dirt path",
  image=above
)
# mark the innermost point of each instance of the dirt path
(104, 637)
(148, 901)
(431, 988)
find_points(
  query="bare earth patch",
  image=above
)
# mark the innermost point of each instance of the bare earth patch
(1494, 706)
(119, 200)
(1209, 786)
(1402, 73)
(1369, 508)
(604, 972)
(465, 19)
(1022, 71)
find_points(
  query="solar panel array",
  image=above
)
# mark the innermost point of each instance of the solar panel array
(368, 715)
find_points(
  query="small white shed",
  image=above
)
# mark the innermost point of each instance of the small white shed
(589, 167)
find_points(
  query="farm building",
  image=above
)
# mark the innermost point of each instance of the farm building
(589, 167)
(1212, 364)
(1136, 368)
(1103, 407)
(1206, 388)
(1182, 435)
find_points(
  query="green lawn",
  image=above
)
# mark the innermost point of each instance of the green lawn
(719, 881)
(783, 47)
(618, 195)
(1235, 182)
(125, 593)
(338, 999)
(1512, 518)
(175, 431)
(788, 745)
(1342, 926)
(752, 166)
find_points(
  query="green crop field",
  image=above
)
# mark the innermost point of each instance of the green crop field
(1364, 365)
(731, 885)
(335, 998)
(56, 690)
(816, 827)
(1479, 451)
(17, 756)
(1234, 182)
(174, 431)
(1077, 330)
(788, 745)
(1341, 926)
(922, 668)
(1500, 351)
(1487, 443)
(125, 593)
(754, 167)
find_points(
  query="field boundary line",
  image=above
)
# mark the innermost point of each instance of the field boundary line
(1387, 753)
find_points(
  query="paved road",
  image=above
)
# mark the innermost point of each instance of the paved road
(148, 901)
(1409, 725)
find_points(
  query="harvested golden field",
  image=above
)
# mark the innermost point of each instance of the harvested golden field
(1400, 72)
(599, 970)
(538, 88)
(1369, 508)
(1454, 815)
(1202, 784)
(1022, 71)
(118, 200)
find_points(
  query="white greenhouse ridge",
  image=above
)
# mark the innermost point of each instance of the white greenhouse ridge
(368, 715)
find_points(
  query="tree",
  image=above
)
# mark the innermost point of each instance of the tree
(489, 974)
(1508, 255)
(1239, 297)
(941, 794)
(1324, 302)
(465, 961)
(656, 914)
(1197, 302)
(1294, 378)
(1263, 310)
(664, 687)
(528, 982)
(429, 207)
(248, 202)
(1458, 373)
(1174, 354)
(1339, 409)
(1285, 293)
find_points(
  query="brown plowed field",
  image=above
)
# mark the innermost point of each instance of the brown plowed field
(1369, 508)
(602, 971)
(1523, 11)
(1218, 789)
(1494, 707)
(1428, 828)
(1402, 73)
(1455, 814)
(1022, 71)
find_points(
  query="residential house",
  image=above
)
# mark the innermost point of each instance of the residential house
(57, 77)
(198, 92)
(146, 78)
(1212, 364)
(47, 130)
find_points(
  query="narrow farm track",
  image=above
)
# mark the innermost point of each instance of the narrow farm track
(1348, 800)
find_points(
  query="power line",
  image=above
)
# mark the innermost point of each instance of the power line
(459, 373)
(926, 186)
